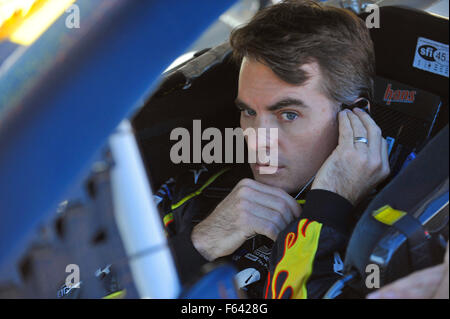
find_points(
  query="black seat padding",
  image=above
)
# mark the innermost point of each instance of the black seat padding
(395, 47)
(204, 88)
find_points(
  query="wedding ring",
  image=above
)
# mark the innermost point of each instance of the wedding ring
(360, 140)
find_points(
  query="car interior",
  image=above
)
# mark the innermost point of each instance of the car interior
(410, 105)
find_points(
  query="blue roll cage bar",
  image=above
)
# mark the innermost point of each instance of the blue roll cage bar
(71, 88)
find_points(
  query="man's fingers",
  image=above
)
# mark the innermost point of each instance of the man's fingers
(385, 157)
(273, 197)
(260, 211)
(373, 132)
(265, 227)
(345, 130)
(365, 117)
(276, 205)
(358, 128)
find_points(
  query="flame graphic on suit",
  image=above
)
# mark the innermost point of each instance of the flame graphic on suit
(295, 266)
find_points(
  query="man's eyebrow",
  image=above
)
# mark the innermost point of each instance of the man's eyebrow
(279, 105)
(241, 105)
(287, 102)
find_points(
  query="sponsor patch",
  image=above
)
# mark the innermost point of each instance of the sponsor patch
(431, 56)
(399, 96)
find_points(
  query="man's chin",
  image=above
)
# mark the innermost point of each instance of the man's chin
(272, 176)
(266, 170)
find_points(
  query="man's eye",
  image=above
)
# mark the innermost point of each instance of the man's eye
(248, 112)
(289, 116)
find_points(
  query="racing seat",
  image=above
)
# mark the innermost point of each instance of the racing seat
(202, 88)
(410, 103)
(405, 227)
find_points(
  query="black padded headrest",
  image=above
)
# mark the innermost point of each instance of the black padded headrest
(406, 116)
(403, 33)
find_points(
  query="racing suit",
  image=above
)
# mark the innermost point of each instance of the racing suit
(303, 262)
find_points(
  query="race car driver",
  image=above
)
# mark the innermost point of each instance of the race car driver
(301, 63)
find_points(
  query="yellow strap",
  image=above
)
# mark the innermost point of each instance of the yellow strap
(301, 201)
(199, 191)
(116, 295)
(387, 215)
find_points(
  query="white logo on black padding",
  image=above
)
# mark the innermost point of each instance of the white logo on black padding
(431, 56)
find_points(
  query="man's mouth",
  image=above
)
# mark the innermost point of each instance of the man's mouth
(267, 168)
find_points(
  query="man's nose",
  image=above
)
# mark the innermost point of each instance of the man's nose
(266, 135)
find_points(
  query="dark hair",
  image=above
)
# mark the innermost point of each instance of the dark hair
(292, 33)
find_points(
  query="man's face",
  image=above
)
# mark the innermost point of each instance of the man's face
(303, 116)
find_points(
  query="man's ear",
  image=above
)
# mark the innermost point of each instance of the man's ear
(362, 103)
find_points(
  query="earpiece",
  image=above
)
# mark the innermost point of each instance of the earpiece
(363, 104)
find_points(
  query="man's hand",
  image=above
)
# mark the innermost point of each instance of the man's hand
(251, 208)
(424, 284)
(353, 169)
